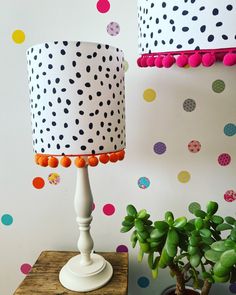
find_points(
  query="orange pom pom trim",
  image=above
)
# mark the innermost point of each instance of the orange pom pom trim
(53, 162)
(121, 155)
(104, 158)
(113, 157)
(65, 161)
(80, 162)
(93, 161)
(43, 161)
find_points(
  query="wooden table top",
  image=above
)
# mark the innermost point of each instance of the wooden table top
(43, 277)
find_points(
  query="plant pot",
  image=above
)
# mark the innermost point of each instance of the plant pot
(189, 291)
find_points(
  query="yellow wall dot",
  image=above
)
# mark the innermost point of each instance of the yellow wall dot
(18, 36)
(126, 65)
(184, 176)
(149, 95)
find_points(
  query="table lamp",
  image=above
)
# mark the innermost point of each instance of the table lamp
(78, 118)
(186, 32)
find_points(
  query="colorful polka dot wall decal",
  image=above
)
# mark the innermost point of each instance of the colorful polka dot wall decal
(194, 146)
(230, 129)
(54, 178)
(224, 159)
(218, 86)
(159, 148)
(230, 196)
(143, 182)
(93, 207)
(113, 29)
(25, 268)
(109, 209)
(18, 36)
(38, 182)
(6, 219)
(143, 282)
(103, 6)
(184, 176)
(121, 248)
(189, 105)
(149, 95)
(126, 65)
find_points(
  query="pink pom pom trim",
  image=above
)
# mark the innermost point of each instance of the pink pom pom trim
(193, 58)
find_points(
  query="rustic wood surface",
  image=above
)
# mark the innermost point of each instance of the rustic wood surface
(43, 277)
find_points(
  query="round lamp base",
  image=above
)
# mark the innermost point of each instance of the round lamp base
(76, 277)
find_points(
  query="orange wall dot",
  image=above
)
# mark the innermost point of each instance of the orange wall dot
(38, 182)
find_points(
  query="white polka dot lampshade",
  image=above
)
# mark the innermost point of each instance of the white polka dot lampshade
(76, 98)
(186, 26)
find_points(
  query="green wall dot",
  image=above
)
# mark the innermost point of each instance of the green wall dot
(218, 86)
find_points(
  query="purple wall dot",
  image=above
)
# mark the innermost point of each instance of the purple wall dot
(121, 248)
(159, 148)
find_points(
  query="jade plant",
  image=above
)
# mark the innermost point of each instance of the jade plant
(200, 251)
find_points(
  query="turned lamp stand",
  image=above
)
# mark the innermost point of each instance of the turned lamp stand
(86, 271)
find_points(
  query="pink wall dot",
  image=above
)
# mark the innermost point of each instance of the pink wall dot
(103, 6)
(109, 209)
(224, 159)
(25, 268)
(93, 206)
(113, 28)
(230, 196)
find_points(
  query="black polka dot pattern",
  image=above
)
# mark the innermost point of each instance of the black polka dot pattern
(190, 24)
(75, 108)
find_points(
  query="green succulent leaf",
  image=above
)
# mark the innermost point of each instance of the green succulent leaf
(155, 268)
(228, 258)
(213, 255)
(144, 235)
(212, 208)
(230, 220)
(129, 218)
(156, 234)
(142, 214)
(195, 260)
(127, 223)
(165, 259)
(194, 240)
(139, 225)
(204, 232)
(223, 226)
(192, 250)
(131, 210)
(171, 249)
(140, 255)
(193, 207)
(219, 270)
(161, 225)
(173, 237)
(221, 279)
(169, 217)
(145, 247)
(198, 223)
(125, 229)
(180, 222)
(217, 219)
(219, 246)
(200, 213)
(150, 259)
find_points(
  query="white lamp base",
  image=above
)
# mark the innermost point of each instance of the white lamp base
(79, 278)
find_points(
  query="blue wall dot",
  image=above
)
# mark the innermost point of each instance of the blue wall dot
(143, 182)
(143, 282)
(232, 288)
(7, 219)
(230, 129)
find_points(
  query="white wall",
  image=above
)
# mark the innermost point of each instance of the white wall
(45, 219)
